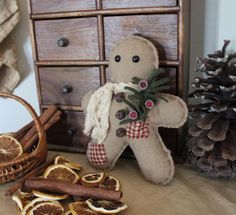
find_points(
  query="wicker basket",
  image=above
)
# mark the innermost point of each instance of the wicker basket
(26, 162)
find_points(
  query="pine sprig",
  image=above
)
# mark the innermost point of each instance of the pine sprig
(141, 101)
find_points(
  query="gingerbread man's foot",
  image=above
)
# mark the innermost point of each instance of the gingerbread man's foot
(154, 158)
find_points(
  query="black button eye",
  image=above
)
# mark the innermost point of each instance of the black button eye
(136, 59)
(117, 58)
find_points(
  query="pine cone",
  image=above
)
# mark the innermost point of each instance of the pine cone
(212, 142)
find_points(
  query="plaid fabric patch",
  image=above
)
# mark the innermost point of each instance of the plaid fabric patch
(138, 129)
(96, 154)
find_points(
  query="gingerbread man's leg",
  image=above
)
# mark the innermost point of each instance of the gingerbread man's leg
(106, 154)
(153, 157)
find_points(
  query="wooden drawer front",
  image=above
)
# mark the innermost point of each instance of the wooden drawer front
(170, 72)
(169, 137)
(47, 6)
(67, 85)
(162, 29)
(137, 3)
(68, 133)
(78, 38)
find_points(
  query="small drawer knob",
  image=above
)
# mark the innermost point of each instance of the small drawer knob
(66, 89)
(63, 42)
(71, 131)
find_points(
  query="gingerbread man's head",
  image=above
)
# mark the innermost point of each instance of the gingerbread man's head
(134, 56)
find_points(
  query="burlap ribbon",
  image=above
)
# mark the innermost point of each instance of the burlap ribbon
(9, 17)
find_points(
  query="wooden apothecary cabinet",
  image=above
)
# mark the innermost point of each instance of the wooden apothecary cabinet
(72, 40)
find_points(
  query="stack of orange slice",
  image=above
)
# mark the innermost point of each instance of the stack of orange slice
(64, 170)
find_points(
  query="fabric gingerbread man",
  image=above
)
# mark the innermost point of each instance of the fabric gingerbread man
(112, 122)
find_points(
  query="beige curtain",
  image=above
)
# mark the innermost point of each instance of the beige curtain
(9, 17)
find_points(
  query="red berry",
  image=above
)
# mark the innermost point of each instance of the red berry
(133, 115)
(143, 84)
(149, 104)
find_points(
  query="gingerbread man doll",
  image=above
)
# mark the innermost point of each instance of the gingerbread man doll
(130, 110)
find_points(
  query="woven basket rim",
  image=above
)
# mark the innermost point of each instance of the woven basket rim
(41, 148)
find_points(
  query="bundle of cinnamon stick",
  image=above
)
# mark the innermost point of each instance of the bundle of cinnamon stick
(28, 135)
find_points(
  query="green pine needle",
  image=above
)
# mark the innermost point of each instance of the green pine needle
(155, 74)
(133, 90)
(125, 121)
(162, 98)
(159, 89)
(159, 82)
(136, 80)
(132, 106)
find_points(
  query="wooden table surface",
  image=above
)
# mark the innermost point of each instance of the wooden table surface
(188, 194)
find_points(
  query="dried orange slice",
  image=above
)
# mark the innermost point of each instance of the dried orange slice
(78, 208)
(62, 160)
(110, 183)
(10, 148)
(22, 199)
(106, 207)
(62, 173)
(32, 204)
(93, 179)
(49, 196)
(47, 208)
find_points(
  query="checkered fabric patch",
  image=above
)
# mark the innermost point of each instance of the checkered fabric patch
(96, 154)
(138, 129)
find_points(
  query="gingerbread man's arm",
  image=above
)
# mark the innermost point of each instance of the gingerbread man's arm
(85, 100)
(171, 114)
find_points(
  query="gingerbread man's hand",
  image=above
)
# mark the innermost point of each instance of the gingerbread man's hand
(170, 114)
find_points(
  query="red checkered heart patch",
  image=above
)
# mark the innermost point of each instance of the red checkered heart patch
(138, 129)
(96, 154)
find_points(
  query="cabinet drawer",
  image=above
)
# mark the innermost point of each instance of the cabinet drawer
(47, 6)
(161, 29)
(67, 85)
(171, 72)
(67, 135)
(67, 39)
(137, 3)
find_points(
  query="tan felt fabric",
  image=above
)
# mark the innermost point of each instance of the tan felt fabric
(188, 194)
(126, 69)
(154, 158)
(171, 114)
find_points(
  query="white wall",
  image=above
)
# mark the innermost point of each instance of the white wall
(212, 21)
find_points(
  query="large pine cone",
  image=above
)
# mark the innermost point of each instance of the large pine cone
(212, 145)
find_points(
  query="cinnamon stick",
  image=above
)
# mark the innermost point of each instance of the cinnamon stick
(21, 132)
(54, 119)
(44, 118)
(46, 185)
(35, 172)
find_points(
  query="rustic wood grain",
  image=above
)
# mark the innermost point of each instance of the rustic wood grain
(137, 3)
(107, 12)
(81, 34)
(53, 79)
(45, 6)
(68, 132)
(161, 29)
